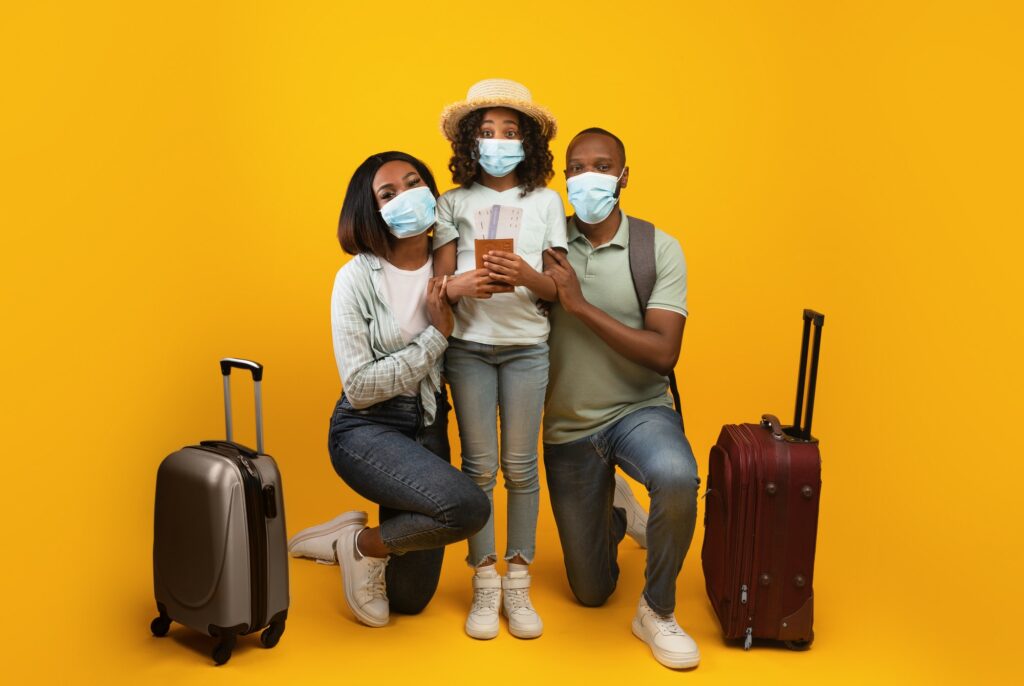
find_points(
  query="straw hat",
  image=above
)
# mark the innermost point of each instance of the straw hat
(496, 93)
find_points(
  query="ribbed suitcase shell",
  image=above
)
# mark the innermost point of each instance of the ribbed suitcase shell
(761, 523)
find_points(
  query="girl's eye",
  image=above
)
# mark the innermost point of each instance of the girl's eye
(511, 133)
(487, 134)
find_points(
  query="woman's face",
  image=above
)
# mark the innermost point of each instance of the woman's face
(394, 178)
(501, 123)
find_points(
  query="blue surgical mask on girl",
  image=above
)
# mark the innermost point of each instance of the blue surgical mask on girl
(593, 195)
(410, 213)
(499, 157)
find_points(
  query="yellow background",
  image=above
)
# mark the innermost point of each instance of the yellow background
(172, 176)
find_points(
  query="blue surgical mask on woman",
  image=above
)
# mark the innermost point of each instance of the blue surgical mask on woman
(593, 195)
(499, 157)
(410, 213)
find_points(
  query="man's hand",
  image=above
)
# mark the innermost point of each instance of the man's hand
(475, 284)
(570, 295)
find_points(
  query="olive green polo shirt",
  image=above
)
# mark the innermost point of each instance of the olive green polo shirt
(591, 385)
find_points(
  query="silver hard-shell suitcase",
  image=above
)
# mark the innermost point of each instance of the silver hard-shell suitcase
(220, 562)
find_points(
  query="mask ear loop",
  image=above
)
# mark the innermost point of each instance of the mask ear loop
(618, 179)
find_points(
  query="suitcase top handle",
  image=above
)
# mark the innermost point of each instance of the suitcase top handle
(256, 368)
(238, 363)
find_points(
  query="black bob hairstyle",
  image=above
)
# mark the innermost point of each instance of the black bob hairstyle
(361, 228)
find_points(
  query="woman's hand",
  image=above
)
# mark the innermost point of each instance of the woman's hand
(475, 284)
(438, 310)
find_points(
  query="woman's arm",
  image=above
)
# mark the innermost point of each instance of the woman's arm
(366, 380)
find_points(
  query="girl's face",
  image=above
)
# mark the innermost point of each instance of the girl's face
(501, 123)
(394, 178)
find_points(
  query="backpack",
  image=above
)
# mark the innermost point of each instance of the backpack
(643, 269)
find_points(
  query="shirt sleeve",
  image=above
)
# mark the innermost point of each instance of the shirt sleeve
(554, 236)
(366, 379)
(670, 286)
(445, 230)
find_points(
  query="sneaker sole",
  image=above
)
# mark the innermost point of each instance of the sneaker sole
(367, 619)
(520, 633)
(637, 513)
(481, 633)
(333, 526)
(670, 660)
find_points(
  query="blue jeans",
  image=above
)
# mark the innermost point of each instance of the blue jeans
(385, 455)
(506, 381)
(649, 446)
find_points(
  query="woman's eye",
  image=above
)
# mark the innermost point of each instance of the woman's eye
(386, 196)
(413, 183)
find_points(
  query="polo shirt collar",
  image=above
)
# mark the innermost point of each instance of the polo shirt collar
(621, 237)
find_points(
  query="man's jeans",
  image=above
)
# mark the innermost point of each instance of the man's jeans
(649, 446)
(509, 381)
(384, 454)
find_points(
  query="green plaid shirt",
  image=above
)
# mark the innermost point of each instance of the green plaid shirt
(374, 362)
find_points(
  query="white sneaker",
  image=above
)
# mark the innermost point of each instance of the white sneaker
(636, 515)
(363, 578)
(523, 620)
(482, 621)
(317, 542)
(669, 643)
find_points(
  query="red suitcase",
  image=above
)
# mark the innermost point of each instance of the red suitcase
(761, 519)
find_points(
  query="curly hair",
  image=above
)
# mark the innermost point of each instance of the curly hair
(533, 172)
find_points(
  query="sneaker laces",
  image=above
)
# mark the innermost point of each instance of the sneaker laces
(375, 585)
(667, 625)
(485, 599)
(518, 599)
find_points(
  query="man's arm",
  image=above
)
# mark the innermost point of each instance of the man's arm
(656, 346)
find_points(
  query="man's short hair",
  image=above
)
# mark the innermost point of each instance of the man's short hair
(604, 132)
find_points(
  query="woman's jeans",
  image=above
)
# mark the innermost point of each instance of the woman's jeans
(385, 455)
(649, 446)
(506, 381)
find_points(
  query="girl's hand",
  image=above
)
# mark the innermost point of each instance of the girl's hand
(438, 310)
(475, 284)
(507, 267)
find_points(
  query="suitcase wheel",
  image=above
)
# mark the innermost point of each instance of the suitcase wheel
(160, 626)
(272, 634)
(800, 645)
(222, 652)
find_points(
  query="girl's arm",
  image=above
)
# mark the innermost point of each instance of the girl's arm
(444, 259)
(512, 269)
(368, 381)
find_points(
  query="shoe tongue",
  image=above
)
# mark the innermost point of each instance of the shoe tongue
(518, 575)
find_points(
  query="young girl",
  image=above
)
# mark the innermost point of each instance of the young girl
(497, 359)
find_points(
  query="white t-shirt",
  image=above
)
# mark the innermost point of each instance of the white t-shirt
(406, 294)
(539, 219)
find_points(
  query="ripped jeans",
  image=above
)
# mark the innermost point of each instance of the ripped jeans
(506, 382)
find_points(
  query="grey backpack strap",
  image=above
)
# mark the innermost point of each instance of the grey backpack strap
(641, 259)
(644, 271)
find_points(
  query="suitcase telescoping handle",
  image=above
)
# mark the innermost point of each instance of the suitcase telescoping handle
(802, 420)
(256, 368)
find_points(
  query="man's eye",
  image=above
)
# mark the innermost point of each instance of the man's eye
(603, 167)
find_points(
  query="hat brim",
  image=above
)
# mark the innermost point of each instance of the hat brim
(453, 114)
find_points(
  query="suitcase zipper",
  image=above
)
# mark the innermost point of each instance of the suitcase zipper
(257, 528)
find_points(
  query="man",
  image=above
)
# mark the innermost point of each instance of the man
(607, 404)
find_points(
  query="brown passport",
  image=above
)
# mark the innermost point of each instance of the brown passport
(483, 245)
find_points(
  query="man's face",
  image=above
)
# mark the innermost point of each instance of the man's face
(595, 152)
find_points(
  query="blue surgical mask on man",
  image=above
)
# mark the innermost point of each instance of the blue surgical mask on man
(410, 213)
(499, 157)
(593, 195)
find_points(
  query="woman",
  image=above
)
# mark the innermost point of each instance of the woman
(388, 437)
